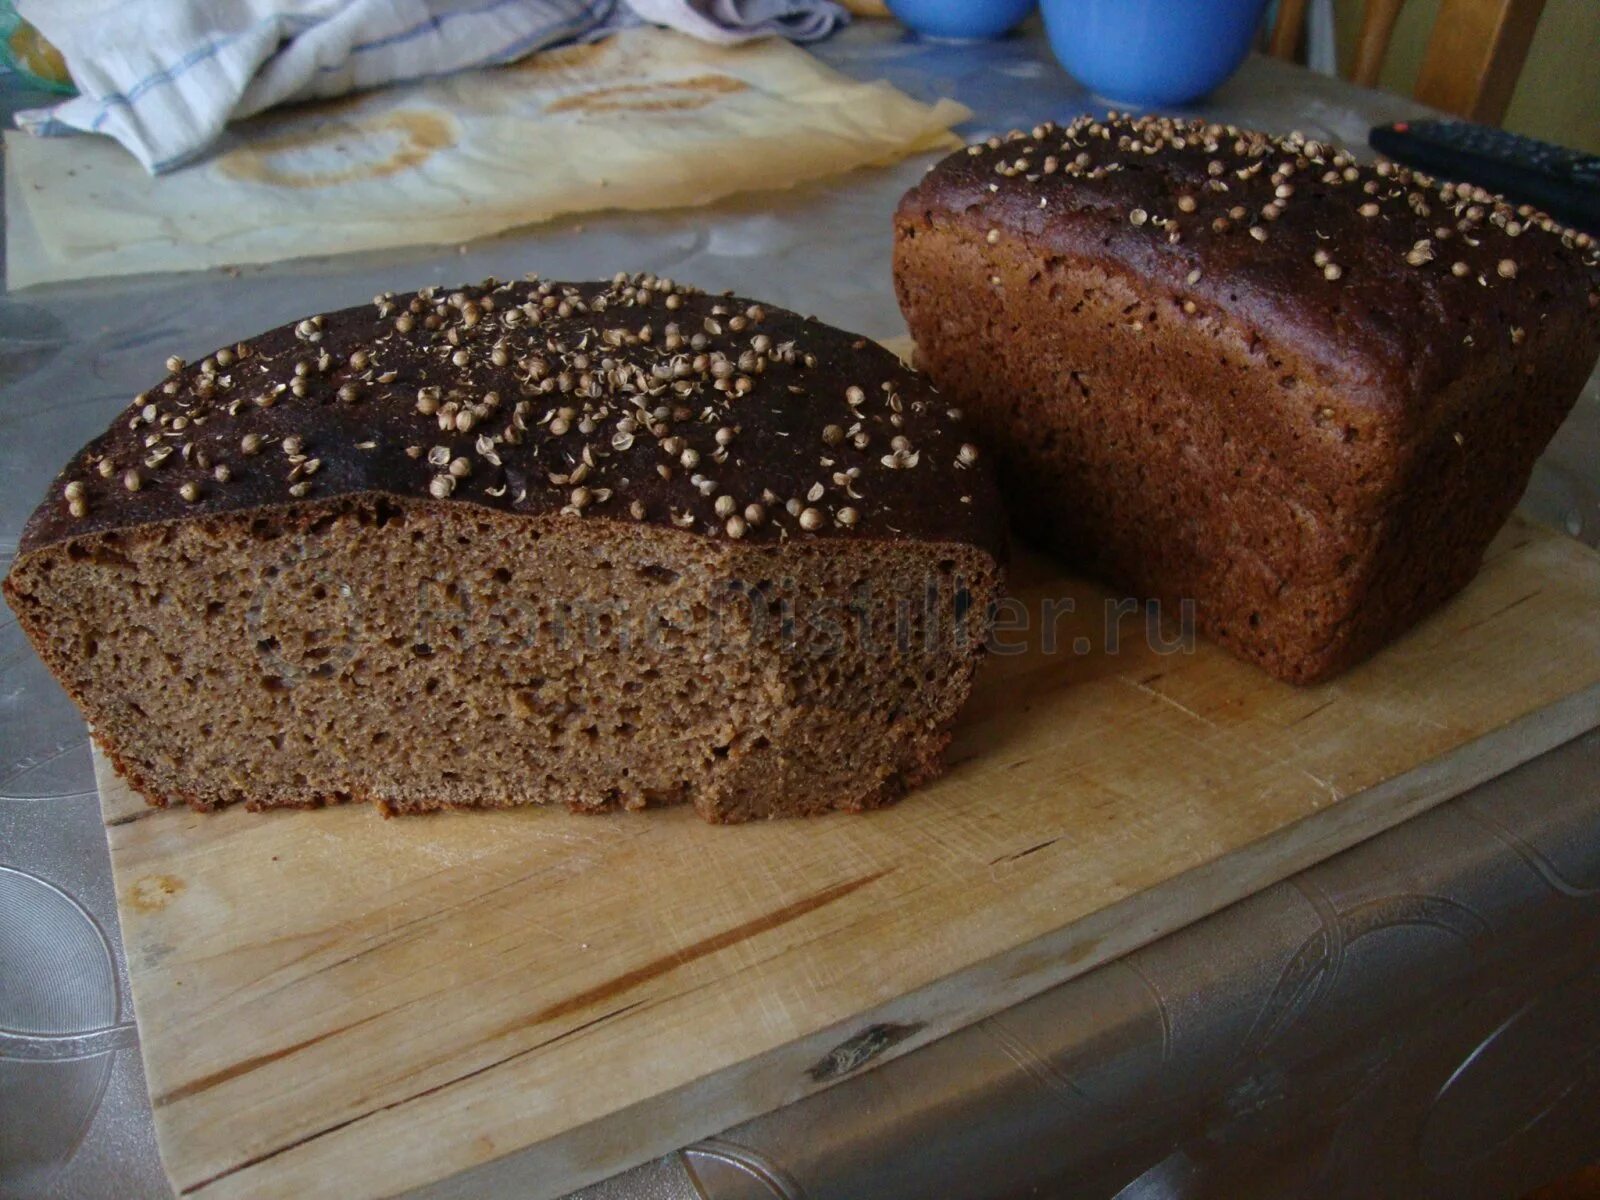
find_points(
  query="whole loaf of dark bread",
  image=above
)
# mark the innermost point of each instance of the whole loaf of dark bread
(1248, 371)
(607, 544)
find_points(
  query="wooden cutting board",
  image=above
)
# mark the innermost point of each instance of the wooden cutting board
(334, 1004)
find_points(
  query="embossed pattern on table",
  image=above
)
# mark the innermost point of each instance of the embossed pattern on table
(1226, 1041)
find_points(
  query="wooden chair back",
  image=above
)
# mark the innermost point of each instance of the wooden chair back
(1472, 61)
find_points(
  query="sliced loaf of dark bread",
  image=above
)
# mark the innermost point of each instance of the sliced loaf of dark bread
(609, 544)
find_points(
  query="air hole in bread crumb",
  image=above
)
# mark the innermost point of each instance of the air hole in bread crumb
(656, 573)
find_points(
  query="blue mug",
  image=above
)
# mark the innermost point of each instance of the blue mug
(1151, 52)
(960, 20)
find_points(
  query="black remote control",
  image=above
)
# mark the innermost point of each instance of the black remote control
(1564, 183)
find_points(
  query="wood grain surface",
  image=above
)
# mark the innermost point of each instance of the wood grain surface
(335, 1004)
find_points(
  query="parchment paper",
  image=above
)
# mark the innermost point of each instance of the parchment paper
(646, 119)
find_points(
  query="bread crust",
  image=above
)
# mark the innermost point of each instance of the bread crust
(363, 394)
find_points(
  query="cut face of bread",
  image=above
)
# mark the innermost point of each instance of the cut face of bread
(422, 654)
(369, 639)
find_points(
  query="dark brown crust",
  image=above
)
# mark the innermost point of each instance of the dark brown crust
(1394, 333)
(777, 458)
(1317, 462)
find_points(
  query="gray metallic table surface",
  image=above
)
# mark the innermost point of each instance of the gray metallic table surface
(1417, 1017)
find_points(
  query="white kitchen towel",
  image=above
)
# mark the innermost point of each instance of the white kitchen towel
(163, 77)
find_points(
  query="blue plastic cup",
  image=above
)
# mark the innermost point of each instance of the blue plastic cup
(1151, 52)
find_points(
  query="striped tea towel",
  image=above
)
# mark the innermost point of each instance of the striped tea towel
(164, 77)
